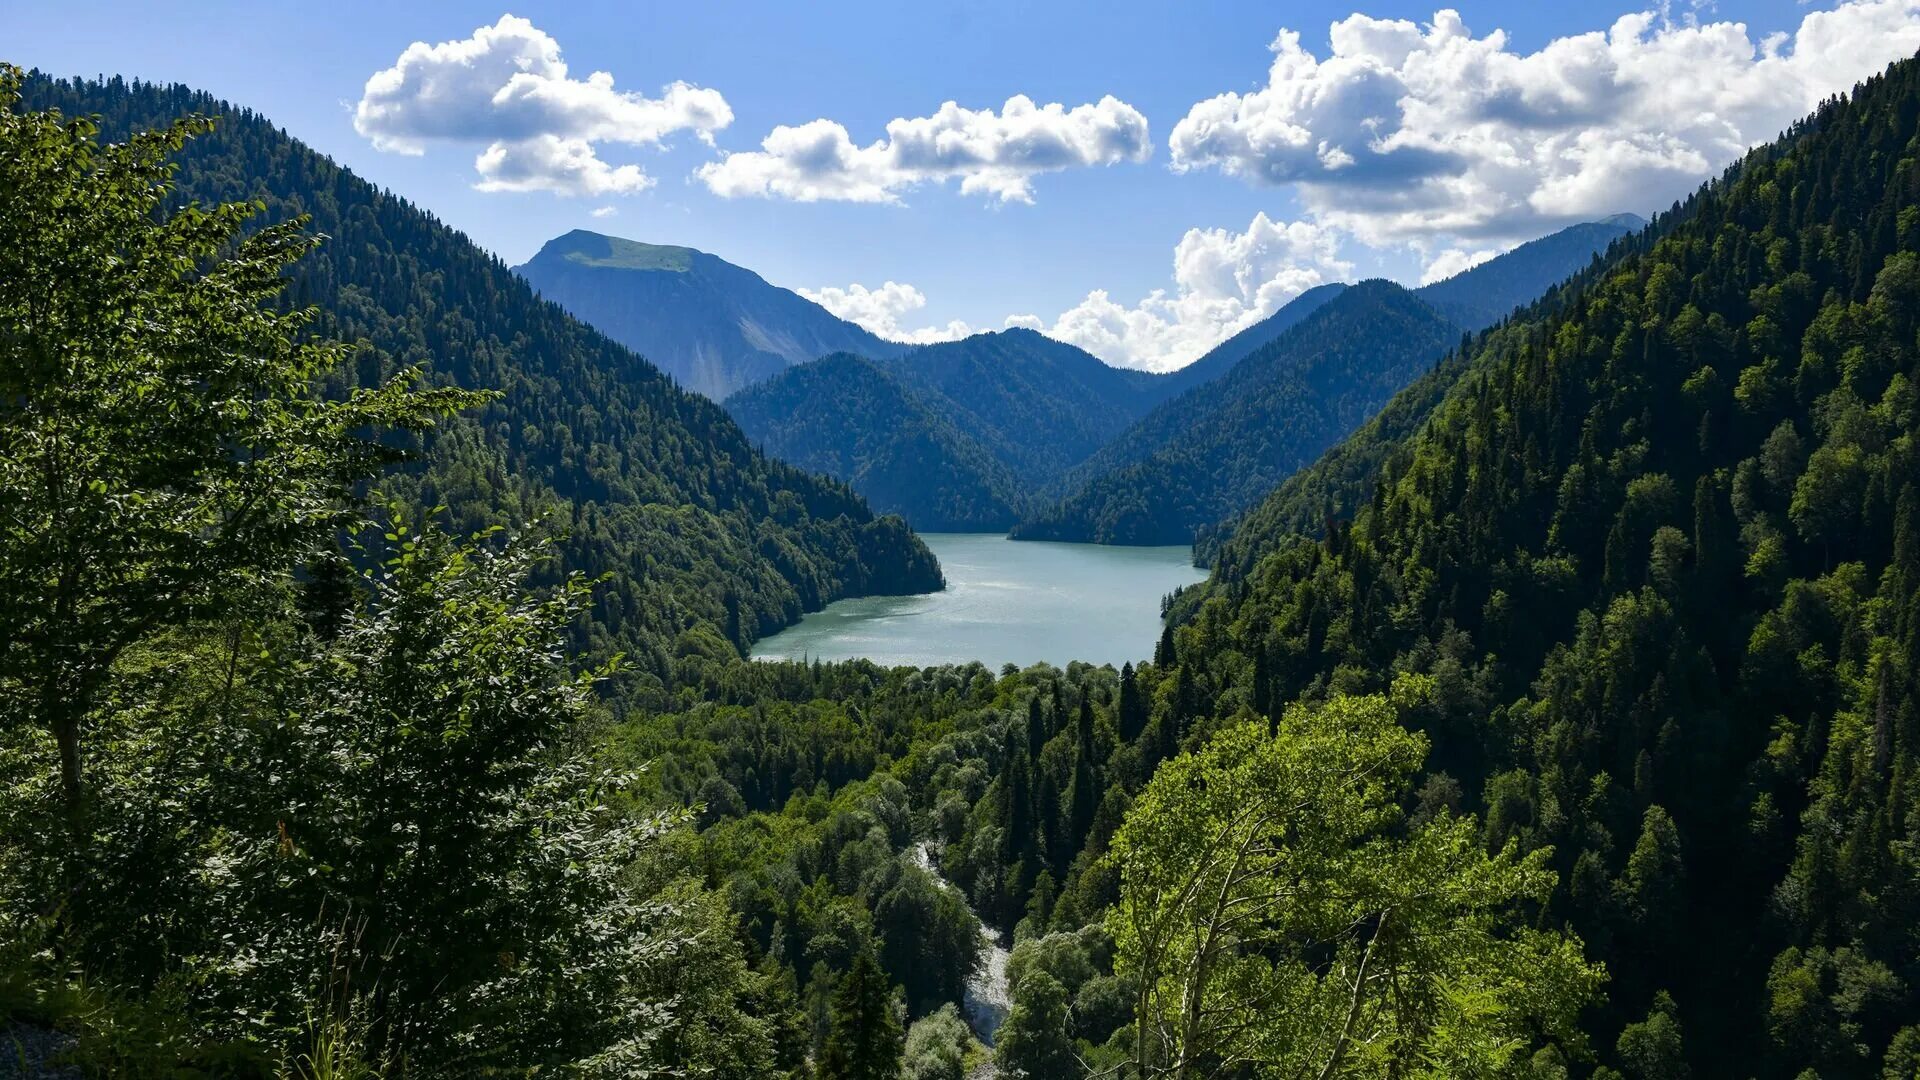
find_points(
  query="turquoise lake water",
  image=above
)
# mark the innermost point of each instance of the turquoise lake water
(1006, 601)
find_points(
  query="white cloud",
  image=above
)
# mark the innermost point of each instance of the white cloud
(603, 211)
(551, 163)
(991, 154)
(507, 86)
(879, 311)
(1224, 282)
(1454, 261)
(1405, 133)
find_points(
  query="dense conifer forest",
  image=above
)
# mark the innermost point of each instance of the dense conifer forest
(845, 416)
(1219, 447)
(703, 542)
(1561, 723)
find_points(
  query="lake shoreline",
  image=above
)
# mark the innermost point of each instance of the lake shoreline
(1006, 601)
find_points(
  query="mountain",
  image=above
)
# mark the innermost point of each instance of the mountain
(1220, 359)
(955, 436)
(1222, 445)
(1334, 486)
(1231, 436)
(849, 418)
(1483, 295)
(713, 326)
(1040, 405)
(1657, 547)
(708, 542)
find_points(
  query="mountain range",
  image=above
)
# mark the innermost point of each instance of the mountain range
(713, 326)
(1559, 718)
(706, 543)
(1016, 431)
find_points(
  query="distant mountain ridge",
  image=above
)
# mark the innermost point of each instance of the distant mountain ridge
(1242, 422)
(957, 436)
(854, 420)
(1220, 359)
(713, 326)
(1482, 295)
(1042, 405)
(1226, 443)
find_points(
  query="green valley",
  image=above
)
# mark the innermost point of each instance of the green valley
(392, 680)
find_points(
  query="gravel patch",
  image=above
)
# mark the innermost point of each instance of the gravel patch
(27, 1053)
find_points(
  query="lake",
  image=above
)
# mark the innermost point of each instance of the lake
(1006, 601)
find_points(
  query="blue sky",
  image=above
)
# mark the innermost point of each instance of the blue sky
(1419, 149)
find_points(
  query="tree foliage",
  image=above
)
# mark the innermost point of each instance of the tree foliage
(1274, 917)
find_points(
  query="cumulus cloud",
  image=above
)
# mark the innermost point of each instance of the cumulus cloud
(507, 86)
(603, 211)
(1405, 133)
(992, 154)
(880, 311)
(551, 163)
(1224, 282)
(1454, 261)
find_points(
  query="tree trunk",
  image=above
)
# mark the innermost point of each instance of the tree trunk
(63, 711)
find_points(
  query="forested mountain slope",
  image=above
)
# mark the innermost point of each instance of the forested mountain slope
(1205, 453)
(1040, 405)
(1482, 295)
(959, 435)
(703, 538)
(1220, 359)
(1219, 447)
(846, 417)
(1658, 545)
(713, 326)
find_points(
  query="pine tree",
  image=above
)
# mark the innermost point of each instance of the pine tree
(866, 1039)
(1132, 708)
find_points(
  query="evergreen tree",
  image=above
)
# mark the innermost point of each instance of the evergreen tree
(866, 1040)
(1133, 708)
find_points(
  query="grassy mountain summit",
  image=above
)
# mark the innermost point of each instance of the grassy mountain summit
(713, 326)
(596, 250)
(708, 543)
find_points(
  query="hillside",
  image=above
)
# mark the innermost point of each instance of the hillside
(1342, 479)
(1211, 452)
(1221, 446)
(1040, 405)
(1220, 359)
(1656, 545)
(651, 484)
(959, 435)
(713, 326)
(1483, 295)
(846, 417)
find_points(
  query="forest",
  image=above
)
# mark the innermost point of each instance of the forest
(376, 704)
